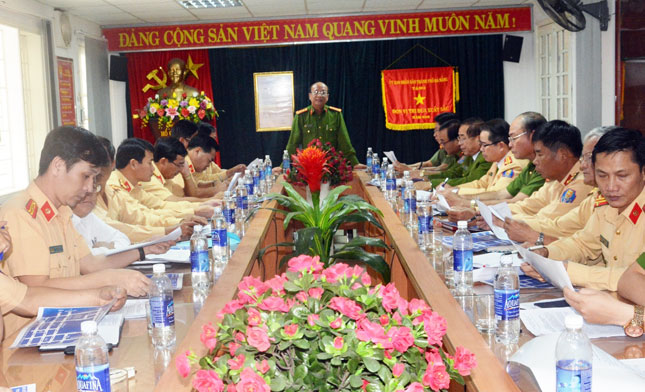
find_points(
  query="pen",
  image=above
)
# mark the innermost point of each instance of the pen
(444, 182)
(536, 247)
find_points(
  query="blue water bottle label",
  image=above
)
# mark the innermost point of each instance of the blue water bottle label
(162, 312)
(262, 174)
(390, 185)
(406, 206)
(256, 181)
(229, 215)
(249, 188)
(507, 304)
(199, 261)
(375, 169)
(413, 205)
(93, 378)
(243, 202)
(425, 224)
(267, 172)
(369, 162)
(286, 164)
(573, 376)
(219, 237)
(463, 260)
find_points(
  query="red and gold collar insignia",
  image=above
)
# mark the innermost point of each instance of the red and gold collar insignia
(600, 201)
(508, 160)
(32, 208)
(160, 177)
(48, 211)
(125, 185)
(570, 178)
(635, 213)
(191, 168)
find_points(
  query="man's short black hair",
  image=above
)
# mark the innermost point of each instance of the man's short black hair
(109, 147)
(206, 143)
(451, 128)
(206, 129)
(557, 134)
(184, 128)
(471, 120)
(475, 128)
(72, 144)
(498, 129)
(132, 148)
(169, 148)
(622, 139)
(444, 117)
(531, 121)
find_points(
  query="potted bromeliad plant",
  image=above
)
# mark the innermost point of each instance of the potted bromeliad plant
(322, 217)
(316, 329)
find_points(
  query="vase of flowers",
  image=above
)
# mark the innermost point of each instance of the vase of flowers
(162, 112)
(316, 329)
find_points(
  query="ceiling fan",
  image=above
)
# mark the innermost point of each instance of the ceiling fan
(568, 13)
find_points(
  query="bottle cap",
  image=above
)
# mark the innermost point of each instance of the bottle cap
(406, 173)
(88, 327)
(462, 224)
(159, 268)
(573, 321)
(267, 157)
(227, 193)
(217, 210)
(197, 228)
(390, 166)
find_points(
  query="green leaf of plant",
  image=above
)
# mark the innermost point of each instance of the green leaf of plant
(355, 381)
(278, 383)
(336, 361)
(291, 287)
(284, 345)
(384, 374)
(375, 261)
(372, 364)
(374, 387)
(323, 356)
(302, 343)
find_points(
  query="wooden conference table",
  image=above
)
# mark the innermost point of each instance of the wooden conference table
(411, 271)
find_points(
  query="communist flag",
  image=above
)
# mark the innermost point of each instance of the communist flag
(413, 97)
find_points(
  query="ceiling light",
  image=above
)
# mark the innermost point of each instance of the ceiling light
(210, 3)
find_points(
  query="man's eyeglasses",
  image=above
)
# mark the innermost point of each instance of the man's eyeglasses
(96, 188)
(484, 145)
(178, 164)
(585, 157)
(321, 93)
(514, 138)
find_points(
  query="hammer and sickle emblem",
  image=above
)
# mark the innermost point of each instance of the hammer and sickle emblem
(153, 75)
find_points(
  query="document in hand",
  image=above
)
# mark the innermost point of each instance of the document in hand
(487, 214)
(551, 270)
(57, 328)
(231, 185)
(443, 205)
(172, 236)
(391, 156)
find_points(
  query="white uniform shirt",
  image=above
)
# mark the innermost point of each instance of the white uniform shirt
(96, 232)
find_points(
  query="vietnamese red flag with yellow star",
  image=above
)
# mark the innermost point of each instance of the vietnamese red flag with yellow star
(413, 97)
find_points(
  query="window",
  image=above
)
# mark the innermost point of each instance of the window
(554, 67)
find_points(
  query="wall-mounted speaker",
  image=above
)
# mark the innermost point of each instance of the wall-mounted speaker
(119, 68)
(512, 48)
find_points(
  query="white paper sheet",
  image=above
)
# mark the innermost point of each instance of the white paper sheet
(551, 270)
(608, 373)
(391, 156)
(231, 186)
(173, 236)
(487, 214)
(543, 321)
(133, 309)
(423, 195)
(173, 256)
(442, 205)
(501, 210)
(493, 260)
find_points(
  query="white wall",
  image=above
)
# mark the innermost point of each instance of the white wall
(520, 80)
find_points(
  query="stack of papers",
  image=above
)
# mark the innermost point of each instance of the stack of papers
(551, 320)
(481, 241)
(58, 328)
(133, 309)
(552, 271)
(177, 279)
(501, 211)
(173, 236)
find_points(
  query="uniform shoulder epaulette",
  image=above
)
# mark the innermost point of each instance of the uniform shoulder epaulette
(32, 208)
(335, 109)
(301, 111)
(600, 201)
(508, 160)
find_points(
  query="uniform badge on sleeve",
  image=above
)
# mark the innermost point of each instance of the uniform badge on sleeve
(568, 196)
(32, 208)
(508, 173)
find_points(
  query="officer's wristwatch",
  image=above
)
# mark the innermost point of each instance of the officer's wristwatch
(634, 328)
(540, 240)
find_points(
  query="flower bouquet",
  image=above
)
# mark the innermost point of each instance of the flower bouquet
(315, 329)
(166, 111)
(336, 169)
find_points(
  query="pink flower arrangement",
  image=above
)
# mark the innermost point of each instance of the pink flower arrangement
(324, 329)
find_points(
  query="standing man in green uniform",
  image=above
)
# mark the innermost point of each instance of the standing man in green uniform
(322, 122)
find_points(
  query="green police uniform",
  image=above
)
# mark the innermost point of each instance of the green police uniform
(329, 126)
(475, 171)
(456, 169)
(438, 157)
(527, 182)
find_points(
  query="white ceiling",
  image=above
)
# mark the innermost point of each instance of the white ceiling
(134, 12)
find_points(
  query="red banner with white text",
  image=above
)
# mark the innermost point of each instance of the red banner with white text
(320, 29)
(413, 97)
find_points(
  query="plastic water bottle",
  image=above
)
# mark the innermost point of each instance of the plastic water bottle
(383, 173)
(220, 244)
(242, 202)
(229, 211)
(199, 260)
(507, 302)
(248, 181)
(390, 183)
(462, 256)
(92, 364)
(573, 356)
(162, 308)
(268, 172)
(424, 227)
(376, 169)
(286, 161)
(255, 174)
(404, 182)
(368, 160)
(410, 206)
